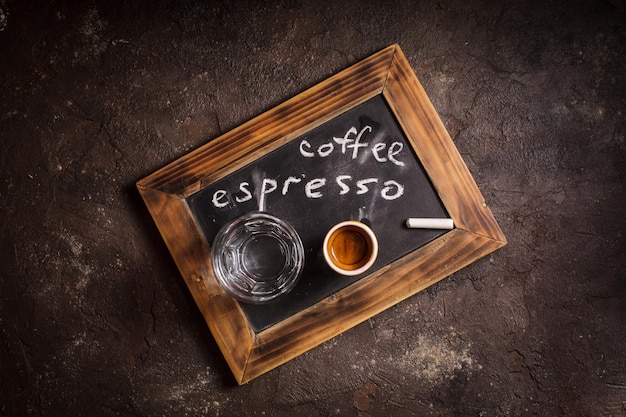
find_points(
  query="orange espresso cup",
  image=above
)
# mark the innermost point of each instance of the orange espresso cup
(350, 248)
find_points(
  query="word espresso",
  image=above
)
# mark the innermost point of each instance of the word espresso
(350, 145)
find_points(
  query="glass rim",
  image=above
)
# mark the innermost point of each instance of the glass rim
(227, 264)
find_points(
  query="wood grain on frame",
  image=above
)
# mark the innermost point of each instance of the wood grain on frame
(388, 72)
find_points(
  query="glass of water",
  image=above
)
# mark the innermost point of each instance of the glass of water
(257, 257)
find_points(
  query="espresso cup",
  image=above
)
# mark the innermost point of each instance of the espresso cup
(350, 248)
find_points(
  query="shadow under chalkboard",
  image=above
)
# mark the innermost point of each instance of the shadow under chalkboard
(357, 166)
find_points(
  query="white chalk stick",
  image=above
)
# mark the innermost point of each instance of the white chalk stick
(424, 223)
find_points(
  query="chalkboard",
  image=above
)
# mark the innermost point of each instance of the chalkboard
(357, 166)
(358, 146)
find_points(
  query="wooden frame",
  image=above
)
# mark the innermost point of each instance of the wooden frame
(475, 235)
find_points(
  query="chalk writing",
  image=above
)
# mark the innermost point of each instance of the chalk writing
(352, 145)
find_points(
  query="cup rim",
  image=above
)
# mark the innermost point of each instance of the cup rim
(368, 230)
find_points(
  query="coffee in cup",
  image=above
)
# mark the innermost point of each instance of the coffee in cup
(350, 248)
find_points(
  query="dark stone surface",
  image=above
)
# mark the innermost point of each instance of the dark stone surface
(94, 317)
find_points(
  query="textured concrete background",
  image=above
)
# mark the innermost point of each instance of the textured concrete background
(95, 319)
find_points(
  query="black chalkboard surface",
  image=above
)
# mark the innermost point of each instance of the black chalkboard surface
(357, 166)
